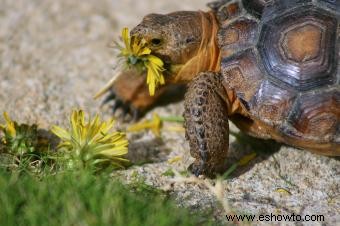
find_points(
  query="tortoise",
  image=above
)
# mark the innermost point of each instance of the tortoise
(269, 66)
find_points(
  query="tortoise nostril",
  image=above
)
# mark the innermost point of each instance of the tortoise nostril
(189, 40)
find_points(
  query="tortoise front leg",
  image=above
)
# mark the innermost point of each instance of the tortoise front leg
(131, 94)
(206, 122)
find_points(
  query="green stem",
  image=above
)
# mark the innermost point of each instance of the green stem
(179, 119)
(231, 169)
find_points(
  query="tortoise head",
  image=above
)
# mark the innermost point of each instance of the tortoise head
(181, 40)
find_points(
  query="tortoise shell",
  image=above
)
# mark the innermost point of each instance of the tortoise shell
(282, 60)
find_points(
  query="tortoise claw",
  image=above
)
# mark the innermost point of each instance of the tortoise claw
(121, 108)
(202, 169)
(110, 97)
(197, 169)
(117, 105)
(136, 114)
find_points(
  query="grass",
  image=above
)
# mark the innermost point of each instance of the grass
(38, 188)
(70, 198)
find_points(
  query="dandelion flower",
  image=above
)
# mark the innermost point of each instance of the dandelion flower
(19, 139)
(90, 143)
(137, 54)
(9, 127)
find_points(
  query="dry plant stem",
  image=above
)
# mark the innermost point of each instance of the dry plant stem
(217, 189)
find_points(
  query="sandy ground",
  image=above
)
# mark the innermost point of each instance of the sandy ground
(54, 56)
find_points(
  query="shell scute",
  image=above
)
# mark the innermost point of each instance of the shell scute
(273, 103)
(317, 115)
(243, 74)
(240, 34)
(299, 48)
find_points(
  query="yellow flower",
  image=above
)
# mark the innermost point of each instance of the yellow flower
(154, 125)
(133, 46)
(91, 143)
(154, 66)
(21, 139)
(9, 127)
(138, 54)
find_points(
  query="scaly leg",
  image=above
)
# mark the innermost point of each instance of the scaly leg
(206, 122)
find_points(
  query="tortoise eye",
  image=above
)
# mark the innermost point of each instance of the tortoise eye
(156, 41)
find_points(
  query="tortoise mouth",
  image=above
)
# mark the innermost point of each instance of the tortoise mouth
(174, 69)
(171, 68)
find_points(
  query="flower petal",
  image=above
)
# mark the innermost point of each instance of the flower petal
(144, 51)
(60, 132)
(126, 38)
(10, 127)
(90, 142)
(156, 61)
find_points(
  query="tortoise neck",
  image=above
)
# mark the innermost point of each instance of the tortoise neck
(209, 52)
(207, 57)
